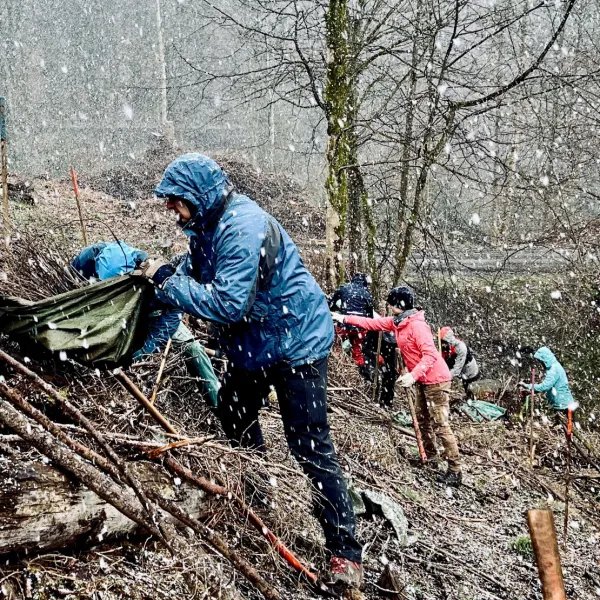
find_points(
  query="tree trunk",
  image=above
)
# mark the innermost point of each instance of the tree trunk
(336, 98)
(41, 508)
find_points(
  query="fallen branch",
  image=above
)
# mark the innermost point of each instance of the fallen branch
(257, 522)
(219, 544)
(70, 410)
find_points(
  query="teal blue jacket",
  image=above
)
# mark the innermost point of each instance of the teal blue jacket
(555, 383)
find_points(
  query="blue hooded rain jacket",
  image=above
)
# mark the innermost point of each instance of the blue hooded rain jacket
(244, 273)
(555, 383)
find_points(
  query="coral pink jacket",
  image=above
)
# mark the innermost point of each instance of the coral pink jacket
(415, 340)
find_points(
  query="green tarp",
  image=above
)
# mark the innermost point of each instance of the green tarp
(481, 411)
(103, 323)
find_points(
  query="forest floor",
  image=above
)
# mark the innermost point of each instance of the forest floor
(463, 544)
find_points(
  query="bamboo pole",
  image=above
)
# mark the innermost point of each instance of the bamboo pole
(163, 362)
(531, 406)
(137, 394)
(79, 209)
(547, 557)
(4, 164)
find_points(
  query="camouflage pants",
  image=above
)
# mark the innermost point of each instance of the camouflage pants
(433, 412)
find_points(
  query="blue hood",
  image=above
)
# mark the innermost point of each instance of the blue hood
(197, 179)
(546, 356)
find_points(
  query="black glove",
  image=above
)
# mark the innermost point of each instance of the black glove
(162, 274)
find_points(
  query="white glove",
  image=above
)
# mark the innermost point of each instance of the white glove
(337, 317)
(524, 385)
(406, 380)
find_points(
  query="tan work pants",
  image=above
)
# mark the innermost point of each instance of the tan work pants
(433, 412)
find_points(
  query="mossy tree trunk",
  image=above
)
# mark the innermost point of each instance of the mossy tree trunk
(346, 191)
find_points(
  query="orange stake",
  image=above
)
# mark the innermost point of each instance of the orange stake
(569, 433)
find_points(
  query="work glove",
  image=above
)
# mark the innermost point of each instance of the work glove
(157, 271)
(525, 385)
(337, 317)
(406, 380)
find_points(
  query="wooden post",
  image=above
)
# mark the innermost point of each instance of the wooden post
(76, 192)
(3, 149)
(439, 340)
(545, 547)
(531, 405)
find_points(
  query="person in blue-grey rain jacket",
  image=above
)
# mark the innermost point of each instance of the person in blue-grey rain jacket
(555, 382)
(244, 274)
(104, 260)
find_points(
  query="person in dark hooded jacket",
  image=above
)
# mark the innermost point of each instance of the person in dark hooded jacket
(353, 298)
(244, 273)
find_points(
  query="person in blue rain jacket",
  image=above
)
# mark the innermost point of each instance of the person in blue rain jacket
(555, 382)
(110, 259)
(244, 274)
(104, 260)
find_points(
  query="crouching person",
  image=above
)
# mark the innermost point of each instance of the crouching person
(427, 370)
(104, 260)
(459, 358)
(555, 383)
(244, 273)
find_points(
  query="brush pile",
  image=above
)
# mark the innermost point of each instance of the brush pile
(275, 192)
(193, 542)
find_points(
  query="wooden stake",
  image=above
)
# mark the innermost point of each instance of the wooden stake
(163, 362)
(376, 376)
(410, 396)
(545, 547)
(531, 405)
(439, 340)
(139, 396)
(4, 162)
(79, 210)
(569, 432)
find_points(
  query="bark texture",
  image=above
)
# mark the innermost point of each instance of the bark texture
(41, 508)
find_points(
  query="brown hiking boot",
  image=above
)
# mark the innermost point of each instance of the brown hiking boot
(345, 573)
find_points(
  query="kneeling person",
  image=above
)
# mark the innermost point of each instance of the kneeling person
(459, 358)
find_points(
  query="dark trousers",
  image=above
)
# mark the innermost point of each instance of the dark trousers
(467, 382)
(302, 395)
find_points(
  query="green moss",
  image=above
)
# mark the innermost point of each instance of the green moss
(522, 545)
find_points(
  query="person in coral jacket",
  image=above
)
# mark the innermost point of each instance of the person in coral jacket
(426, 369)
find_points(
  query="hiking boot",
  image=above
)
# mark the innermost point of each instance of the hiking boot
(450, 478)
(345, 573)
(435, 464)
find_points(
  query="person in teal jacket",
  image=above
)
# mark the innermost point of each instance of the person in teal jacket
(555, 383)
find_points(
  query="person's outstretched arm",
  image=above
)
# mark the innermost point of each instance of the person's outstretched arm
(377, 324)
